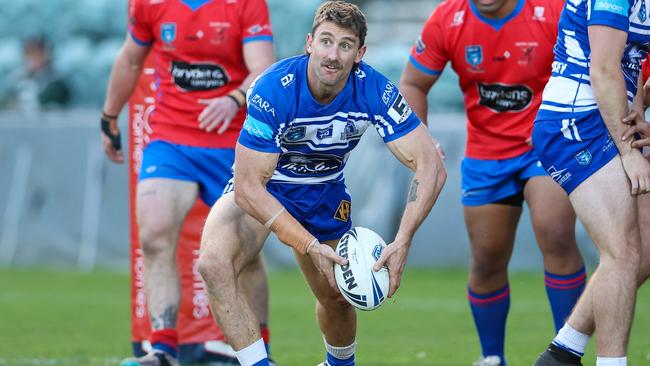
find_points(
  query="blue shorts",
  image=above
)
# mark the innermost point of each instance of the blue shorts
(208, 167)
(323, 209)
(489, 181)
(571, 150)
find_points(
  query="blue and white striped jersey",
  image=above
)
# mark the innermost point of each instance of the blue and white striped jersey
(568, 92)
(314, 140)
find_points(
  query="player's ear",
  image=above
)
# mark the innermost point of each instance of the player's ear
(308, 43)
(362, 51)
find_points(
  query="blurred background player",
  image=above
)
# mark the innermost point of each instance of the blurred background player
(207, 53)
(502, 51)
(305, 115)
(596, 83)
(38, 85)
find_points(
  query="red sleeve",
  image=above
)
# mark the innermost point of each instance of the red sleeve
(256, 25)
(645, 70)
(139, 28)
(429, 54)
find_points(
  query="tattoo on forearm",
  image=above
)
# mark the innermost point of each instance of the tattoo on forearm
(413, 191)
(165, 320)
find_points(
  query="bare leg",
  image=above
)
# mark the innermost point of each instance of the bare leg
(253, 281)
(337, 319)
(162, 205)
(231, 241)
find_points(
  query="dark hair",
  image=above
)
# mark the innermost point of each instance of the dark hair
(344, 15)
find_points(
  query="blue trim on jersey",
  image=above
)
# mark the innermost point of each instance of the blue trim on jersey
(397, 135)
(423, 68)
(252, 146)
(195, 4)
(497, 23)
(140, 42)
(266, 38)
(258, 128)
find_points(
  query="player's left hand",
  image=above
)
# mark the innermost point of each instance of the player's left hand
(218, 112)
(642, 128)
(394, 257)
(633, 118)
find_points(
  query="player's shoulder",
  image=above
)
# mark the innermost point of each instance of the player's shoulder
(153, 4)
(553, 7)
(281, 77)
(368, 79)
(448, 9)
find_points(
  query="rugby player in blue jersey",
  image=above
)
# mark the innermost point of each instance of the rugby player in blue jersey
(305, 115)
(578, 135)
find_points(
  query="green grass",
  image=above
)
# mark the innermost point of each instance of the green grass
(68, 318)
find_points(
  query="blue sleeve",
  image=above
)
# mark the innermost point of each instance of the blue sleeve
(393, 117)
(611, 13)
(262, 126)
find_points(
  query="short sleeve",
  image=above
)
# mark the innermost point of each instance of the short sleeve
(611, 13)
(256, 24)
(393, 116)
(429, 54)
(139, 27)
(261, 130)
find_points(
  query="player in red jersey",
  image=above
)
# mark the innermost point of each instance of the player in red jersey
(206, 54)
(502, 51)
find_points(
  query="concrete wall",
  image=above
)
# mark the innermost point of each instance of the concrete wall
(63, 204)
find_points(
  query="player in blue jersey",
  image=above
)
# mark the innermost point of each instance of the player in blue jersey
(578, 137)
(305, 115)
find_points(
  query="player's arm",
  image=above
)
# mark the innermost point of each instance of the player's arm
(123, 80)
(636, 119)
(253, 170)
(219, 112)
(607, 46)
(417, 151)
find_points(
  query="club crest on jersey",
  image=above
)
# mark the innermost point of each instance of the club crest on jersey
(583, 157)
(538, 14)
(343, 211)
(168, 32)
(350, 130)
(295, 133)
(459, 17)
(474, 56)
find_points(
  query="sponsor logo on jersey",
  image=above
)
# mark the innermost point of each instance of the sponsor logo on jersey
(258, 128)
(168, 32)
(287, 80)
(538, 14)
(474, 55)
(262, 105)
(504, 98)
(419, 45)
(388, 93)
(527, 52)
(198, 76)
(312, 164)
(558, 67)
(619, 7)
(343, 211)
(295, 133)
(400, 110)
(459, 18)
(323, 133)
(583, 157)
(360, 73)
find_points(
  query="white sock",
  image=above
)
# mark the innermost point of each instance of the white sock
(342, 353)
(252, 354)
(611, 361)
(572, 340)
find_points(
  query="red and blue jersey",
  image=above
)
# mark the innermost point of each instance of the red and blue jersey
(502, 65)
(197, 50)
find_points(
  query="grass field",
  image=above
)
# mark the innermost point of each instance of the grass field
(68, 318)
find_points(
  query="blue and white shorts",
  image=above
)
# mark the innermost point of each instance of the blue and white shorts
(571, 150)
(491, 181)
(210, 168)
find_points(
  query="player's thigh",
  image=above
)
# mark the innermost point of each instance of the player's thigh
(316, 281)
(550, 209)
(163, 203)
(491, 230)
(604, 205)
(231, 236)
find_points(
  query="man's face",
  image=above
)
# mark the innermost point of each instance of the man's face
(35, 58)
(333, 51)
(491, 8)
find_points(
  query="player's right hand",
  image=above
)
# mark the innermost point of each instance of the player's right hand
(637, 169)
(324, 257)
(218, 112)
(111, 143)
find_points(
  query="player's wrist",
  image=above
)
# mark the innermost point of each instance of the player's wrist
(238, 96)
(289, 231)
(110, 117)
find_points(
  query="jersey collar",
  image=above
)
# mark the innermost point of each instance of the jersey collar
(195, 4)
(497, 23)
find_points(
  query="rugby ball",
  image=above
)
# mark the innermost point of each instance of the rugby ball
(358, 283)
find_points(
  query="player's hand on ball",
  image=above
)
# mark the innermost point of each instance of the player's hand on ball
(219, 112)
(394, 257)
(324, 257)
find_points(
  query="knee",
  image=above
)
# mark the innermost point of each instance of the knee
(489, 262)
(335, 302)
(556, 240)
(156, 235)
